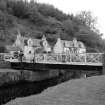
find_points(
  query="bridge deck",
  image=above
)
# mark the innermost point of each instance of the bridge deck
(74, 63)
(46, 66)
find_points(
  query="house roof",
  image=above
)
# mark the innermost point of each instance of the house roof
(36, 42)
(71, 44)
(67, 43)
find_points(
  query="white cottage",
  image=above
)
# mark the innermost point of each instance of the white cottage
(81, 48)
(71, 47)
(29, 51)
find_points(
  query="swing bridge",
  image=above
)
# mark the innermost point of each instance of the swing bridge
(85, 62)
(83, 59)
(93, 59)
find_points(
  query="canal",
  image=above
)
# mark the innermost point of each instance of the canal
(23, 89)
(9, 92)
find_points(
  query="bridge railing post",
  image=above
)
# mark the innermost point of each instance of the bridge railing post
(45, 57)
(103, 62)
(85, 57)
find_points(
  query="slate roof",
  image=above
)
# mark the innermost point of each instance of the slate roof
(36, 42)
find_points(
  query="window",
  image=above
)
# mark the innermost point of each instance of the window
(29, 52)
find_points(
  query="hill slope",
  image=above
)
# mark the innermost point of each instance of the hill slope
(34, 19)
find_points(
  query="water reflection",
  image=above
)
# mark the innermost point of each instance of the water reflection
(23, 89)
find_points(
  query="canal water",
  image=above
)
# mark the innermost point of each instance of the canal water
(23, 89)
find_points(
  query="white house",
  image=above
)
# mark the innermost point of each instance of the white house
(29, 53)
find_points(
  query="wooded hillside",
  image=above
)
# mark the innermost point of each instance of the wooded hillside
(35, 19)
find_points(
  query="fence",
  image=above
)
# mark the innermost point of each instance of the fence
(83, 58)
(91, 58)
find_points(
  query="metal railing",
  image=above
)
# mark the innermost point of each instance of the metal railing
(83, 58)
(86, 58)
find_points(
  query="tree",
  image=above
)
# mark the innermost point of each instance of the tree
(69, 27)
(3, 6)
(2, 49)
(6, 20)
(86, 18)
(19, 8)
(36, 17)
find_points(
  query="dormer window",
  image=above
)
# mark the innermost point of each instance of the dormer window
(29, 52)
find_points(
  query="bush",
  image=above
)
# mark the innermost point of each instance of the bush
(36, 17)
(50, 11)
(18, 8)
(6, 21)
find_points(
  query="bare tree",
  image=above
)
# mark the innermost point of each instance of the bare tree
(87, 19)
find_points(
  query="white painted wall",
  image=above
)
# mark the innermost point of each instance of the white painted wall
(58, 48)
(28, 53)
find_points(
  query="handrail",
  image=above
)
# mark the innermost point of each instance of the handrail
(76, 58)
(63, 58)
